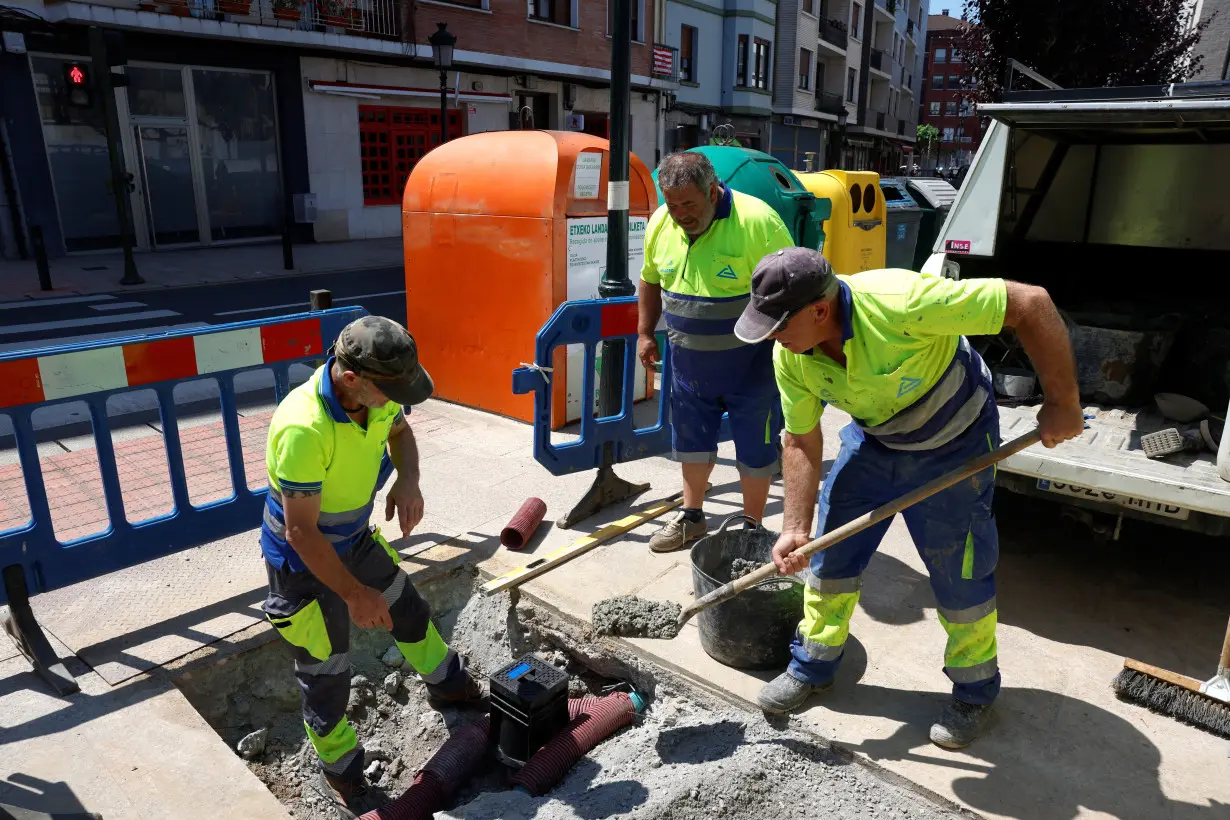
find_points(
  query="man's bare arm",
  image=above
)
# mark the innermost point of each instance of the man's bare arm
(802, 463)
(1033, 316)
(404, 450)
(649, 308)
(302, 510)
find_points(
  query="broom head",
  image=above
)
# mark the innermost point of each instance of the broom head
(1174, 700)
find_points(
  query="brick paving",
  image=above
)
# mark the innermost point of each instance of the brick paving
(74, 483)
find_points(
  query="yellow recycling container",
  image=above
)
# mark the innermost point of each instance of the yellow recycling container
(854, 234)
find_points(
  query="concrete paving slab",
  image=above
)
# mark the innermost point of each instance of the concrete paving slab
(128, 753)
(128, 622)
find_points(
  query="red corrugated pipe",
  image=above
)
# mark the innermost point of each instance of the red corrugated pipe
(441, 776)
(517, 533)
(593, 721)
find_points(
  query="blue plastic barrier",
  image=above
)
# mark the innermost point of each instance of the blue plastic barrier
(31, 557)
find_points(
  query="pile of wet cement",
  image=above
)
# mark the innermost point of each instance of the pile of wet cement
(742, 566)
(687, 760)
(634, 617)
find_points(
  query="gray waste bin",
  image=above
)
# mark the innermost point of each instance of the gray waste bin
(935, 197)
(904, 217)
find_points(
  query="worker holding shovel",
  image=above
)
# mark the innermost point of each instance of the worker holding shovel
(889, 348)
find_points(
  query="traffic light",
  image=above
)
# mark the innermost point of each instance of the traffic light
(77, 83)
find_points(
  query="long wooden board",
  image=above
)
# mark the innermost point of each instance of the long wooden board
(581, 546)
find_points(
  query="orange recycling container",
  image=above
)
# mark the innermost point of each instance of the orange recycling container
(499, 228)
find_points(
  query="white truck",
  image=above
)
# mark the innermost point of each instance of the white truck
(1118, 202)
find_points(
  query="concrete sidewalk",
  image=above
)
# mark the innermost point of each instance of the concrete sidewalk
(101, 272)
(1060, 745)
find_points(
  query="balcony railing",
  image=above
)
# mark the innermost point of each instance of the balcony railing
(879, 59)
(830, 103)
(835, 32)
(368, 18)
(666, 62)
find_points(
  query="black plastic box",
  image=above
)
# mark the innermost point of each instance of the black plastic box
(529, 705)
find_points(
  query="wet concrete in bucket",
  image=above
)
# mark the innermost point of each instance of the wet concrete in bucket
(742, 566)
(632, 617)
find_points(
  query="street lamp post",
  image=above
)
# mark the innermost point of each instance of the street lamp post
(442, 42)
(842, 119)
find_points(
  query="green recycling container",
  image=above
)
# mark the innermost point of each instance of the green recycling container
(765, 177)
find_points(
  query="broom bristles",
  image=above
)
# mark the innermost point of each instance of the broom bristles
(1165, 698)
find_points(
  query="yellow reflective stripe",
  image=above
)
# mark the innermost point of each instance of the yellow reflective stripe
(306, 629)
(382, 541)
(425, 655)
(967, 560)
(826, 618)
(970, 644)
(768, 428)
(334, 745)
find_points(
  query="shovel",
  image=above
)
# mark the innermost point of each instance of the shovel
(769, 570)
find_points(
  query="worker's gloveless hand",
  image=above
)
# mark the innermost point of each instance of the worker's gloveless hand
(406, 500)
(647, 351)
(788, 563)
(368, 609)
(1060, 421)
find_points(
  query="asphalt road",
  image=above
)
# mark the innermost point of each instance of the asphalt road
(62, 320)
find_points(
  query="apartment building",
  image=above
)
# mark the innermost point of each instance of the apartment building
(725, 52)
(231, 108)
(847, 60)
(945, 99)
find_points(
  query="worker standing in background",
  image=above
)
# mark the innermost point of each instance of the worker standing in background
(700, 250)
(333, 442)
(889, 348)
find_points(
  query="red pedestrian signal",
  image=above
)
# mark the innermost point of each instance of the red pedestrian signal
(77, 82)
(75, 75)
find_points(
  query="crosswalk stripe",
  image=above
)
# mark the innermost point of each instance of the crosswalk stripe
(118, 306)
(94, 337)
(23, 304)
(89, 321)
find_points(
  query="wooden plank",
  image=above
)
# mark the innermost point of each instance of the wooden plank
(566, 553)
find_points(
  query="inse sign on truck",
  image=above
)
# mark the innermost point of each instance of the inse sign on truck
(1115, 201)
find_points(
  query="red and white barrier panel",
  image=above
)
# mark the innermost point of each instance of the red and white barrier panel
(77, 373)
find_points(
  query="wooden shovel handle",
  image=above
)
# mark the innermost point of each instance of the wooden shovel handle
(1224, 663)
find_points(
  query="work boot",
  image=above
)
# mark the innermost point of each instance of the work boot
(352, 797)
(785, 693)
(678, 533)
(458, 689)
(959, 724)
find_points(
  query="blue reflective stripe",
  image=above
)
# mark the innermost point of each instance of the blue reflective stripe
(976, 376)
(701, 327)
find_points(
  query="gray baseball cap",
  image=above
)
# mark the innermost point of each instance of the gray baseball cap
(784, 283)
(383, 351)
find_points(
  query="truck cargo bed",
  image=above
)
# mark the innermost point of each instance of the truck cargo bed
(1106, 465)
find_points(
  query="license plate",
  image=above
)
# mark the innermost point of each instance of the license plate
(1144, 505)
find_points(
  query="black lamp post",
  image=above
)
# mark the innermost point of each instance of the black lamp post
(442, 42)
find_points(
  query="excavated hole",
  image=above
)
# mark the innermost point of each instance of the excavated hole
(689, 756)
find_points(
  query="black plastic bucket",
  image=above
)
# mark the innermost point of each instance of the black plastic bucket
(752, 630)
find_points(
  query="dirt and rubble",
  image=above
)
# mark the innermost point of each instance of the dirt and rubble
(686, 757)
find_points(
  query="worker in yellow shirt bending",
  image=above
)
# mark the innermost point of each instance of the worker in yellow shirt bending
(889, 348)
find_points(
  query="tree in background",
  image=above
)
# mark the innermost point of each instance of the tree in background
(1080, 43)
(928, 136)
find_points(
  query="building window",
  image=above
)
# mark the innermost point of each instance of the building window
(937, 81)
(955, 82)
(935, 109)
(741, 61)
(941, 55)
(392, 140)
(956, 55)
(552, 11)
(967, 108)
(950, 108)
(760, 77)
(804, 69)
(855, 20)
(687, 54)
(809, 7)
(851, 84)
(947, 135)
(960, 134)
(638, 36)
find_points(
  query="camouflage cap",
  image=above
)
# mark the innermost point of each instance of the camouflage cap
(383, 351)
